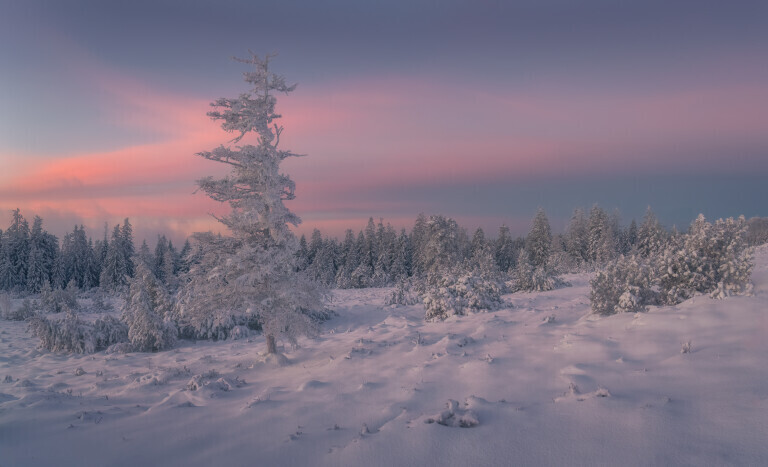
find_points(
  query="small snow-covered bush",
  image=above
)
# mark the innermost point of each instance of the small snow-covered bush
(99, 304)
(623, 286)
(71, 334)
(108, 331)
(456, 294)
(58, 300)
(24, 312)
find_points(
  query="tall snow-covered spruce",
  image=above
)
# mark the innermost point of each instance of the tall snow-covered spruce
(250, 278)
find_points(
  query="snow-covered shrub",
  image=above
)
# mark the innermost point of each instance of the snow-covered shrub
(528, 278)
(24, 312)
(145, 312)
(560, 262)
(623, 286)
(58, 300)
(453, 416)
(713, 259)
(71, 334)
(99, 304)
(108, 331)
(456, 294)
(403, 294)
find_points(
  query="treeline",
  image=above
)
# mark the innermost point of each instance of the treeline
(33, 260)
(379, 256)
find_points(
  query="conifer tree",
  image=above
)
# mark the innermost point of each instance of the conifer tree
(127, 247)
(632, 234)
(650, 236)
(302, 254)
(505, 250)
(41, 257)
(146, 310)
(6, 267)
(251, 276)
(315, 243)
(114, 273)
(145, 256)
(538, 243)
(401, 263)
(577, 238)
(601, 245)
(350, 260)
(17, 244)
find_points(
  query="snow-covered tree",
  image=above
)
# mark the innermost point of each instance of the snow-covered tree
(443, 249)
(164, 267)
(251, 276)
(577, 238)
(183, 266)
(302, 254)
(453, 284)
(601, 237)
(324, 257)
(315, 244)
(631, 237)
(419, 238)
(15, 246)
(114, 272)
(626, 285)
(42, 254)
(77, 259)
(650, 237)
(6, 266)
(401, 263)
(529, 278)
(458, 292)
(505, 251)
(712, 259)
(362, 275)
(386, 241)
(126, 246)
(538, 243)
(145, 312)
(349, 262)
(145, 256)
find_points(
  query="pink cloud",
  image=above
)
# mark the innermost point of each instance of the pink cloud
(379, 135)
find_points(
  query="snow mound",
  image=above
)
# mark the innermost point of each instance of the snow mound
(455, 417)
(312, 384)
(274, 360)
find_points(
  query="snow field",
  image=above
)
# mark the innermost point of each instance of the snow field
(546, 382)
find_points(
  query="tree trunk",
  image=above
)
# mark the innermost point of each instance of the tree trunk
(271, 345)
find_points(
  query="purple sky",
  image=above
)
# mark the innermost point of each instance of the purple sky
(479, 110)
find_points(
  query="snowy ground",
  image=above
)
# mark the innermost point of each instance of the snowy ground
(546, 384)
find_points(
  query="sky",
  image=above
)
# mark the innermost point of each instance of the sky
(478, 110)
